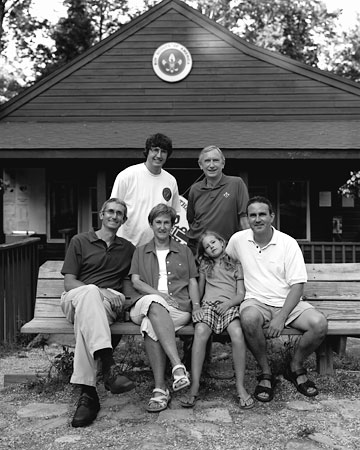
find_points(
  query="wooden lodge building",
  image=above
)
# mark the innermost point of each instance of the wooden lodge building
(291, 131)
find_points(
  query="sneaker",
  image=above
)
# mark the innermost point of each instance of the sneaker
(115, 382)
(86, 411)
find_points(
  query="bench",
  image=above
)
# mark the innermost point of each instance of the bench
(334, 289)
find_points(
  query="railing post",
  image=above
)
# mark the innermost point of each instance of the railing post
(19, 265)
(330, 252)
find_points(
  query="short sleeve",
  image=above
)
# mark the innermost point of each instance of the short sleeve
(239, 273)
(72, 261)
(135, 269)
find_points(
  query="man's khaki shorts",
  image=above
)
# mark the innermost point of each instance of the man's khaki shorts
(268, 312)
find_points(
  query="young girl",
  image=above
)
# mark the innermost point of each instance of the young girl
(222, 287)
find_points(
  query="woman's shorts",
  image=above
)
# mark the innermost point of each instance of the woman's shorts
(139, 313)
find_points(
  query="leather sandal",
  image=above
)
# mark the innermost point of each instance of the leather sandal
(180, 381)
(246, 403)
(188, 401)
(268, 391)
(160, 402)
(303, 388)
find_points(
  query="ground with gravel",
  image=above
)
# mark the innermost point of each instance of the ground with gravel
(37, 415)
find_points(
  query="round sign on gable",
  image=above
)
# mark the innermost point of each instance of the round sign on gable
(172, 62)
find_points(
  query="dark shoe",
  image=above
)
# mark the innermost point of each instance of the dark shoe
(307, 388)
(117, 383)
(268, 391)
(86, 411)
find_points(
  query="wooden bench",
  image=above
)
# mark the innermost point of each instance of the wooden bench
(334, 289)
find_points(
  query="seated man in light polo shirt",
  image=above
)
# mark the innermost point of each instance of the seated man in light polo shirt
(274, 276)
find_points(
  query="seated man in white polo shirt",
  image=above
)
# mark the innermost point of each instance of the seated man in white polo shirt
(274, 276)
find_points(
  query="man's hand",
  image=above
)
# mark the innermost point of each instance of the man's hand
(115, 299)
(276, 326)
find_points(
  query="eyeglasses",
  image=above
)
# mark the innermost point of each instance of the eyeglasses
(112, 212)
(157, 150)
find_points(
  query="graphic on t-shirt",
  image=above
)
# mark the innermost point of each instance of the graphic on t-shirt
(166, 194)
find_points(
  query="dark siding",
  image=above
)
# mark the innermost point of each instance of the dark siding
(224, 84)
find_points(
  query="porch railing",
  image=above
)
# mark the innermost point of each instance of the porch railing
(330, 252)
(19, 266)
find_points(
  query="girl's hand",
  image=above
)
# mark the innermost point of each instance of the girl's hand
(197, 314)
(222, 306)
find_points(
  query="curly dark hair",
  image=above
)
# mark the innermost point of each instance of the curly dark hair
(158, 140)
(205, 261)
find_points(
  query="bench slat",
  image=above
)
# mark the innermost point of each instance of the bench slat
(62, 326)
(340, 289)
(51, 269)
(333, 271)
(49, 288)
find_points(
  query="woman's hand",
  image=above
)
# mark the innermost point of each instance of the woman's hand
(168, 298)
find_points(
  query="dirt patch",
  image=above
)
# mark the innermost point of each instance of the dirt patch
(290, 421)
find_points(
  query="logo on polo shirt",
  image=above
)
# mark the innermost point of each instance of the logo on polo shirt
(166, 194)
(226, 195)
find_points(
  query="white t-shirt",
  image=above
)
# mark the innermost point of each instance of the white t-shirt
(269, 272)
(162, 284)
(141, 191)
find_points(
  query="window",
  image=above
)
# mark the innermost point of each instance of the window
(63, 208)
(293, 211)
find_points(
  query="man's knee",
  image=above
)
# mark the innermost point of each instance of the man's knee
(318, 325)
(251, 320)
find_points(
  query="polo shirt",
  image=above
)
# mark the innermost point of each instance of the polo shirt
(269, 272)
(216, 208)
(180, 264)
(93, 262)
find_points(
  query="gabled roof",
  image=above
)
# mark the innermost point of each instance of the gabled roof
(113, 86)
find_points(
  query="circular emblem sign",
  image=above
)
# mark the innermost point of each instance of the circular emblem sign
(172, 62)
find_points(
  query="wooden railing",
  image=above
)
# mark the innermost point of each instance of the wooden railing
(19, 266)
(330, 252)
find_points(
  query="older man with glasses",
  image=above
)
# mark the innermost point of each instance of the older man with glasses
(144, 185)
(95, 265)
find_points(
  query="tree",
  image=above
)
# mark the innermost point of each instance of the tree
(342, 56)
(108, 16)
(18, 34)
(87, 22)
(290, 27)
(16, 22)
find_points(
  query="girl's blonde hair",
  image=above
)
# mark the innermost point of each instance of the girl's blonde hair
(205, 261)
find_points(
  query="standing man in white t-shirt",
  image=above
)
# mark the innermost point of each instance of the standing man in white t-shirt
(144, 185)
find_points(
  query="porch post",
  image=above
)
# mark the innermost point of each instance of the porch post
(101, 194)
(2, 236)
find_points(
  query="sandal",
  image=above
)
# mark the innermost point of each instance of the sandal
(188, 401)
(157, 404)
(269, 391)
(246, 403)
(303, 388)
(180, 381)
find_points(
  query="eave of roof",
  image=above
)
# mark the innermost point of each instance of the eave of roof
(124, 137)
